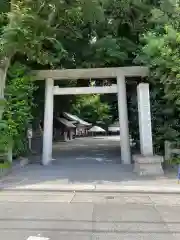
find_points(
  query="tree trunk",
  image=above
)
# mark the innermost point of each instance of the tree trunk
(4, 65)
(5, 60)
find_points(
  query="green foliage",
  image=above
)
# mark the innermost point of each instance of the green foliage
(106, 36)
(91, 109)
(161, 52)
(5, 165)
(36, 29)
(4, 6)
(30, 25)
(91, 33)
(174, 161)
(17, 115)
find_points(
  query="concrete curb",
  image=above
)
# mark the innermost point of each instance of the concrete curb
(104, 189)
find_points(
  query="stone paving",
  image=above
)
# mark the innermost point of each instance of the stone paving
(88, 150)
(89, 216)
(96, 198)
(88, 164)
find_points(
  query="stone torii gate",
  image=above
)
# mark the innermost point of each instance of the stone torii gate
(146, 163)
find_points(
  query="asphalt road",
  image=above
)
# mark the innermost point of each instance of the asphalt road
(85, 216)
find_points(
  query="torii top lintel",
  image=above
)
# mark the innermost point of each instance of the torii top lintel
(87, 73)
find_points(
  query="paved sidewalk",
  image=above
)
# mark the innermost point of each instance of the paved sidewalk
(87, 216)
(88, 165)
(92, 178)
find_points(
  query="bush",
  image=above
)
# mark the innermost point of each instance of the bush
(18, 109)
(5, 165)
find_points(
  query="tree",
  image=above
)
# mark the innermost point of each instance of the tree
(66, 34)
(33, 28)
(161, 52)
(91, 109)
(29, 32)
(18, 111)
(23, 35)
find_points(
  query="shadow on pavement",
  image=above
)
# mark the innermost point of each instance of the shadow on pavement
(87, 161)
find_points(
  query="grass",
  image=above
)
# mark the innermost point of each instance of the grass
(5, 165)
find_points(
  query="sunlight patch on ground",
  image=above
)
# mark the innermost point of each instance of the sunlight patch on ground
(37, 238)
